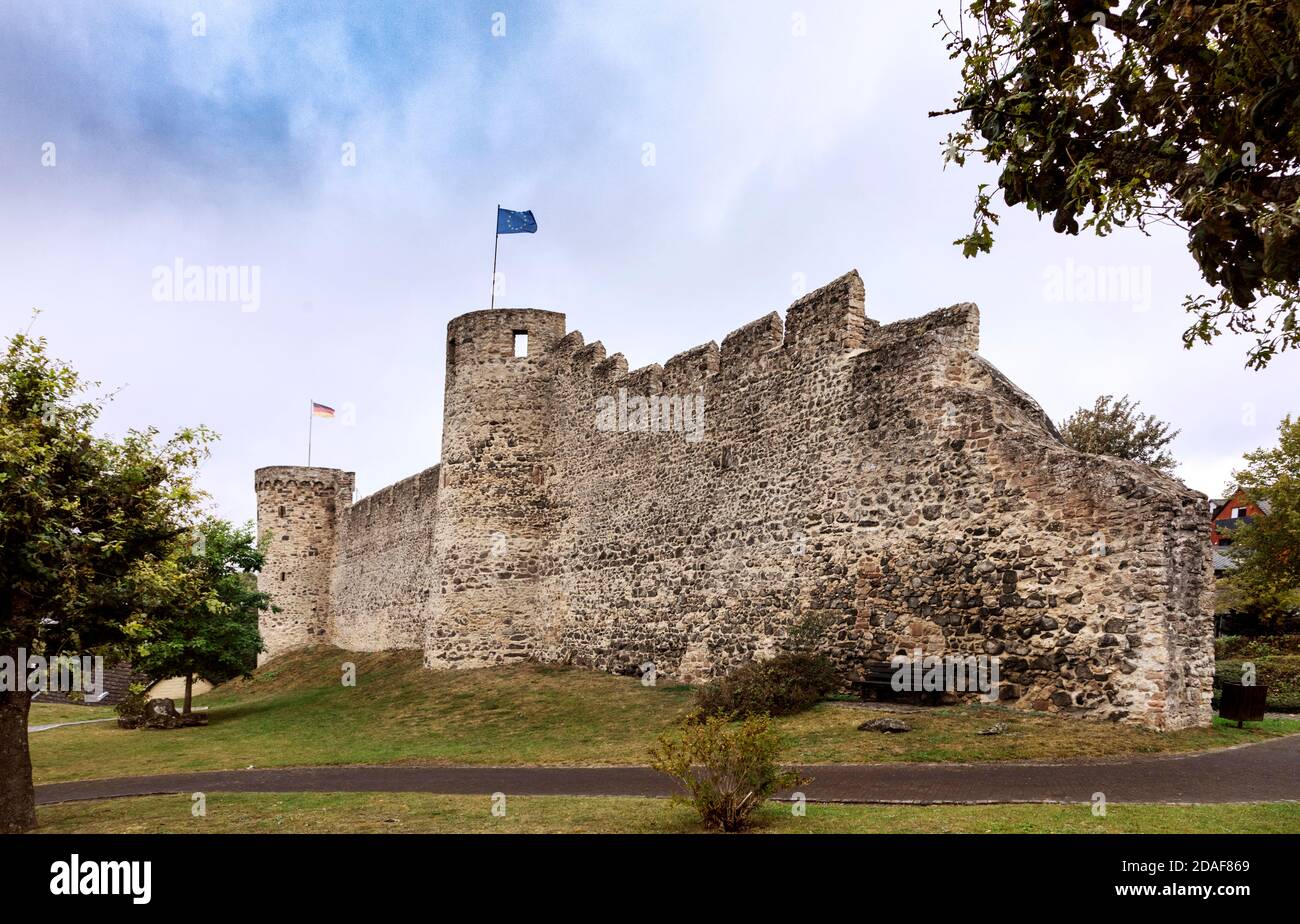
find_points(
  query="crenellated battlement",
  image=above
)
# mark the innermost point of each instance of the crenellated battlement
(883, 481)
(648, 380)
(831, 319)
(957, 326)
(821, 326)
(301, 476)
(826, 323)
(610, 371)
(587, 357)
(749, 349)
(567, 346)
(689, 370)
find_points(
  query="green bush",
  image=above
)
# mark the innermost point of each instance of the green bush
(786, 684)
(1281, 674)
(130, 711)
(727, 769)
(1248, 647)
(809, 632)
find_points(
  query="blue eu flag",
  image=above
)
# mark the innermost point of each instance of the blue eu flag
(509, 222)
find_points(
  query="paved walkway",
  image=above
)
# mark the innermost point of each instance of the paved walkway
(38, 728)
(1265, 772)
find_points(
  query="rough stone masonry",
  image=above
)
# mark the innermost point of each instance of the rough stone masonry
(883, 486)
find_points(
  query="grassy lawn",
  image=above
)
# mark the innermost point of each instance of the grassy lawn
(49, 713)
(412, 813)
(295, 712)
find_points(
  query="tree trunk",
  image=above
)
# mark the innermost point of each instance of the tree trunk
(189, 693)
(17, 797)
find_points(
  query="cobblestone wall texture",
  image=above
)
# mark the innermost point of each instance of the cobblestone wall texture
(883, 484)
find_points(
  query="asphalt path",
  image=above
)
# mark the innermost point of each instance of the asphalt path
(1264, 772)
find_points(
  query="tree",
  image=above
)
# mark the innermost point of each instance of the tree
(79, 513)
(198, 608)
(1165, 112)
(1115, 428)
(1266, 551)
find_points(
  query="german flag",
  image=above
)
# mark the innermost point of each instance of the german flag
(320, 410)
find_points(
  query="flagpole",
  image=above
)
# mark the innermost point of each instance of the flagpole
(496, 242)
(311, 412)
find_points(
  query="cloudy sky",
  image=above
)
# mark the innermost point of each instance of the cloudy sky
(691, 166)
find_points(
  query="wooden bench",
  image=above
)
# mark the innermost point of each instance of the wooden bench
(877, 683)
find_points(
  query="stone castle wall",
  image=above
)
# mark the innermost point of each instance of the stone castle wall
(385, 571)
(884, 484)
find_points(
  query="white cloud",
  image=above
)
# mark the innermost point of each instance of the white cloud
(776, 155)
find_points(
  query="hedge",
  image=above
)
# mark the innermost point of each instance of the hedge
(1249, 647)
(1280, 673)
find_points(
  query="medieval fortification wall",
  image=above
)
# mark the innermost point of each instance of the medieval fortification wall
(883, 484)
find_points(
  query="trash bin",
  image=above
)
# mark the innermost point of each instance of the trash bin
(1243, 703)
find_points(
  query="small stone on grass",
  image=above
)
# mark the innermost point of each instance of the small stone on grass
(885, 725)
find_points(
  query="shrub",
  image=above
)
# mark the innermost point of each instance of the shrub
(727, 769)
(788, 683)
(130, 711)
(1247, 647)
(1281, 674)
(809, 632)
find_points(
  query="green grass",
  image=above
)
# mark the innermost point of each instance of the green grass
(295, 712)
(424, 813)
(49, 713)
(827, 734)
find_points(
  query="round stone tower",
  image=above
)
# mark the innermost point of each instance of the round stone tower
(298, 508)
(491, 497)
